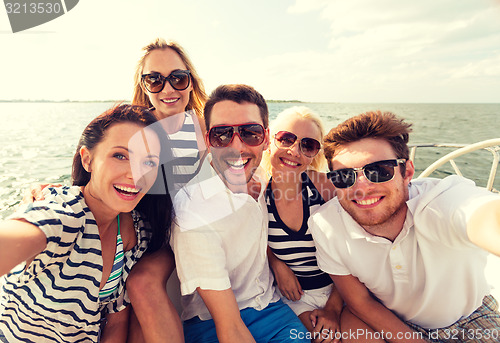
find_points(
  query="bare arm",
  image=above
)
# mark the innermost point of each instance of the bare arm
(328, 318)
(368, 309)
(285, 278)
(116, 327)
(19, 241)
(154, 311)
(483, 227)
(226, 314)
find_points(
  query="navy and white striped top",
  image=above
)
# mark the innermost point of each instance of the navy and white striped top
(56, 297)
(296, 248)
(184, 162)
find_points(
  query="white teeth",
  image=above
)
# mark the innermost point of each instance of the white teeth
(169, 101)
(290, 163)
(127, 189)
(368, 201)
(238, 164)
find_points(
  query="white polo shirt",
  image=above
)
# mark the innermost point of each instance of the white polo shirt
(431, 275)
(220, 242)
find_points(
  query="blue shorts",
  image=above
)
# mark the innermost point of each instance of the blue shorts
(276, 323)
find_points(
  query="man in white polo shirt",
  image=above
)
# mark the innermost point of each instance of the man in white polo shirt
(407, 256)
(220, 236)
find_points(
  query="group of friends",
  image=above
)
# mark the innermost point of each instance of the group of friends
(267, 245)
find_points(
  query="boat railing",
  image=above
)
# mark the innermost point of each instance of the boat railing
(491, 145)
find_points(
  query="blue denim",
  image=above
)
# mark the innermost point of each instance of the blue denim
(274, 324)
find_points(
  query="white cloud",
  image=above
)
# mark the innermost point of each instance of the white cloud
(302, 6)
(318, 50)
(489, 67)
(399, 46)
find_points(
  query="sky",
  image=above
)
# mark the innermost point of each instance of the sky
(383, 51)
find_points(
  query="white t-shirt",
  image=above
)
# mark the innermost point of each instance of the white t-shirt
(431, 275)
(220, 242)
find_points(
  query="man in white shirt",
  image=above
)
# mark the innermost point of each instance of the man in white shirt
(220, 237)
(408, 257)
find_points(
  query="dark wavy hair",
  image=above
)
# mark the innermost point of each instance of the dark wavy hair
(156, 208)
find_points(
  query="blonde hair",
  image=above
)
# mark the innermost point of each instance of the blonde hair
(319, 162)
(197, 97)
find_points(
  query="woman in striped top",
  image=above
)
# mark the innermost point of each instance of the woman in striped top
(65, 259)
(295, 190)
(167, 82)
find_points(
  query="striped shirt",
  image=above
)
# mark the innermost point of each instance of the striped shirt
(296, 248)
(56, 297)
(180, 168)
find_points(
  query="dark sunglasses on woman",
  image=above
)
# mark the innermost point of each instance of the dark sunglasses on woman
(221, 136)
(155, 82)
(309, 146)
(376, 172)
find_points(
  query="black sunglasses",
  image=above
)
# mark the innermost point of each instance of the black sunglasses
(155, 82)
(309, 146)
(250, 134)
(376, 172)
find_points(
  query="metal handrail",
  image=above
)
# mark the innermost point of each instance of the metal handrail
(491, 145)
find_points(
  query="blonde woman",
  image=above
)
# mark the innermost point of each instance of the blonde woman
(166, 82)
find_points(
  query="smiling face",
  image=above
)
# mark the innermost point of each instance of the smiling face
(286, 162)
(237, 162)
(169, 101)
(114, 162)
(379, 207)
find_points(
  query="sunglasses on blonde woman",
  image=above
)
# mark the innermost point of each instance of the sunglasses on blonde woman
(309, 146)
(376, 172)
(155, 82)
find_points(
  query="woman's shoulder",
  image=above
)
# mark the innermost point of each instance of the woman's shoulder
(63, 194)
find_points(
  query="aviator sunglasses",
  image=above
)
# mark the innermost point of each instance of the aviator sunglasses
(155, 82)
(250, 134)
(309, 146)
(376, 172)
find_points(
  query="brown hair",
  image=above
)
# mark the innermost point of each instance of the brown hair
(197, 97)
(157, 208)
(369, 125)
(238, 94)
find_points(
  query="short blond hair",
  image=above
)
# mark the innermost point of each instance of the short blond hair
(319, 162)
